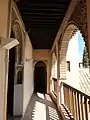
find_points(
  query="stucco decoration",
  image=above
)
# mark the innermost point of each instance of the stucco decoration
(14, 16)
(19, 55)
(19, 36)
(79, 17)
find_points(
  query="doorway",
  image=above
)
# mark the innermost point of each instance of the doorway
(10, 92)
(40, 77)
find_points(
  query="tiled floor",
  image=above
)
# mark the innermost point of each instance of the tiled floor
(41, 107)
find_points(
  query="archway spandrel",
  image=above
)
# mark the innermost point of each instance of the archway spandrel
(79, 17)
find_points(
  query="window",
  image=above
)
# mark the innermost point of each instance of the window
(68, 65)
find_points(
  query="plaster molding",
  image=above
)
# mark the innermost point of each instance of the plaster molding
(19, 33)
(36, 61)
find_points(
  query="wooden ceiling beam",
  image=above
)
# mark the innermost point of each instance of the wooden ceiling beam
(43, 13)
(27, 9)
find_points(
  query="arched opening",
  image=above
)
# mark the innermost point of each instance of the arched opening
(73, 43)
(40, 77)
(78, 61)
(10, 91)
(15, 74)
(74, 57)
(68, 33)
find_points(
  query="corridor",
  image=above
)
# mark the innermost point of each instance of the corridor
(41, 107)
(41, 54)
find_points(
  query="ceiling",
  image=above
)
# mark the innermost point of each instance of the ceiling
(42, 20)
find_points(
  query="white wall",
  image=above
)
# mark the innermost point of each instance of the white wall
(73, 57)
(28, 85)
(18, 100)
(73, 52)
(3, 58)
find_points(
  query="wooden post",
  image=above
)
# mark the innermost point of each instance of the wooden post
(81, 108)
(77, 111)
(85, 109)
(89, 109)
(62, 94)
(86, 112)
(75, 105)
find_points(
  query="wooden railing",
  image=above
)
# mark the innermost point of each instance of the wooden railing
(75, 102)
(54, 80)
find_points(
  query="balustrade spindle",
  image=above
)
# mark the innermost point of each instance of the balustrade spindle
(78, 105)
(88, 109)
(81, 108)
(66, 96)
(72, 101)
(76, 102)
(85, 103)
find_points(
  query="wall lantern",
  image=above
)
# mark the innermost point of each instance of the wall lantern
(8, 43)
(29, 59)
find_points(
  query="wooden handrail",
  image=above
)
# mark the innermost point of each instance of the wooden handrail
(74, 89)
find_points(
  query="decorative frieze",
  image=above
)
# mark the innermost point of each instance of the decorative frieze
(79, 17)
